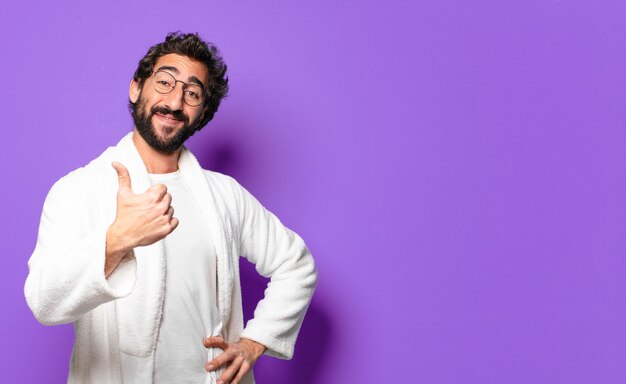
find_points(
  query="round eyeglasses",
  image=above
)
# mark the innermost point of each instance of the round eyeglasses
(164, 82)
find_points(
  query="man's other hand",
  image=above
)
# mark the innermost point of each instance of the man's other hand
(238, 358)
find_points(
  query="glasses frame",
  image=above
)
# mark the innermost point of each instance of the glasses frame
(185, 85)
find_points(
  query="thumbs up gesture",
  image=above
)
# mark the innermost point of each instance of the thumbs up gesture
(141, 219)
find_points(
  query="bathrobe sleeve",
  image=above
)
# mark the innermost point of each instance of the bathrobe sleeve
(281, 255)
(66, 270)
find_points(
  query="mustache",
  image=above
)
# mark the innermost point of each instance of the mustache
(178, 115)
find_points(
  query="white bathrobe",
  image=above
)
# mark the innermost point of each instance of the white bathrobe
(116, 320)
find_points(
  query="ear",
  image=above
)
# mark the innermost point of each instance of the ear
(133, 91)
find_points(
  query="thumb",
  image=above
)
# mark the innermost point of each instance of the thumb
(122, 176)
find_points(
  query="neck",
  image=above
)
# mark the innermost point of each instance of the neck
(156, 162)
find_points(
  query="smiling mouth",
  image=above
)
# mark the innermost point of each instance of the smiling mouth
(168, 117)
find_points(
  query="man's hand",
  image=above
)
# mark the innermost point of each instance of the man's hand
(241, 355)
(140, 220)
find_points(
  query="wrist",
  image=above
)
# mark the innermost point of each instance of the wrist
(116, 241)
(258, 348)
(115, 249)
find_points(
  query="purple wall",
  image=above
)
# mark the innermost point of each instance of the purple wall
(458, 169)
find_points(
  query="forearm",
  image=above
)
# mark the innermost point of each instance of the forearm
(66, 279)
(278, 317)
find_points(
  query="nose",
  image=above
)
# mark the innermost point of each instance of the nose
(174, 99)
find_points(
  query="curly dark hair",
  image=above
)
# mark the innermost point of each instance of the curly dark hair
(192, 46)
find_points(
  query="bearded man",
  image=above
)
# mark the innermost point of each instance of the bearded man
(140, 248)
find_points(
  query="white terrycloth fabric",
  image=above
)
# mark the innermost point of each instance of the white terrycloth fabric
(116, 320)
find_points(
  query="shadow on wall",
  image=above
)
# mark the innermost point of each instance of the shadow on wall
(219, 157)
(315, 335)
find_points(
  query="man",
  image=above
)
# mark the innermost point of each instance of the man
(140, 248)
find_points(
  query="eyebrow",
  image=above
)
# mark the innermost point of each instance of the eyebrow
(176, 71)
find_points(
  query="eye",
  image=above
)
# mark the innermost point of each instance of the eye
(164, 83)
(193, 95)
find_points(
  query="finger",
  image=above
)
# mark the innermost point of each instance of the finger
(173, 224)
(214, 341)
(157, 192)
(170, 213)
(163, 206)
(123, 177)
(231, 371)
(220, 361)
(166, 199)
(245, 367)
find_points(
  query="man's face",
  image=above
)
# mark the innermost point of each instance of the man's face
(165, 121)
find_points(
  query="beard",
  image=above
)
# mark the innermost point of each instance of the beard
(143, 123)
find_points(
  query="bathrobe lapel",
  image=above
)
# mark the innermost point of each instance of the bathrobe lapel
(139, 314)
(217, 222)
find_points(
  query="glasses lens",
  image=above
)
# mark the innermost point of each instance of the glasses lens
(194, 95)
(164, 82)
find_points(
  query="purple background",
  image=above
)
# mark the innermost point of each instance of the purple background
(456, 167)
